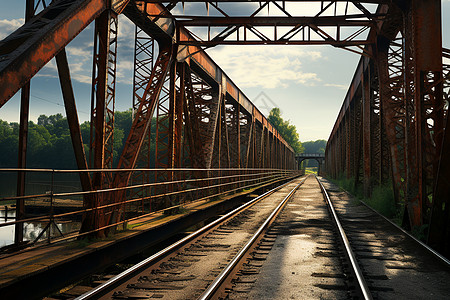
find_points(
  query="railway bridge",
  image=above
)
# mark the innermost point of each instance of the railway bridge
(319, 157)
(196, 138)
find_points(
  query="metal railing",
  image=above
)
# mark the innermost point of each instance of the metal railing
(58, 209)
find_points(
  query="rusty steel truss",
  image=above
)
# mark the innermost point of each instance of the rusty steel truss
(391, 127)
(187, 113)
(200, 118)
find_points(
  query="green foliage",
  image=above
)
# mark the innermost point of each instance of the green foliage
(314, 147)
(9, 140)
(50, 144)
(286, 129)
(382, 198)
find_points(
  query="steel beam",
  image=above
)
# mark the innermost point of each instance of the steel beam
(144, 55)
(424, 104)
(23, 142)
(367, 131)
(30, 47)
(72, 118)
(391, 83)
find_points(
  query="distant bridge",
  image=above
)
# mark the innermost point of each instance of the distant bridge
(319, 157)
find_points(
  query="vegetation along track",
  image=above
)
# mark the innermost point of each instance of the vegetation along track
(252, 253)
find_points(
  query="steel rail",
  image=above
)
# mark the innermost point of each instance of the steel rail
(116, 280)
(431, 250)
(356, 270)
(215, 285)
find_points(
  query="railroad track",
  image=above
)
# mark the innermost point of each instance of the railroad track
(219, 259)
(241, 269)
(203, 252)
(358, 254)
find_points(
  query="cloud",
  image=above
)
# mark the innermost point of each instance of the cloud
(8, 26)
(83, 52)
(82, 78)
(335, 85)
(267, 67)
(126, 29)
(124, 71)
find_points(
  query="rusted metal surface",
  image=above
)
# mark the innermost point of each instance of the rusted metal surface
(72, 118)
(23, 137)
(367, 128)
(405, 112)
(287, 27)
(439, 234)
(207, 184)
(390, 127)
(30, 47)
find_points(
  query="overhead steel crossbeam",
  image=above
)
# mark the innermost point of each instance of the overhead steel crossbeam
(337, 23)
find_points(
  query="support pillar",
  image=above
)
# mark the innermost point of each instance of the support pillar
(423, 73)
(367, 147)
(23, 144)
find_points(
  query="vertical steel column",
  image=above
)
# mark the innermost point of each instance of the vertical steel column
(23, 137)
(102, 107)
(178, 122)
(218, 136)
(103, 92)
(353, 140)
(439, 232)
(192, 119)
(237, 122)
(225, 153)
(175, 116)
(423, 63)
(249, 140)
(348, 150)
(212, 125)
(377, 139)
(163, 140)
(358, 166)
(391, 84)
(144, 54)
(366, 125)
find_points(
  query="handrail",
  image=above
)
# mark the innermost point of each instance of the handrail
(141, 201)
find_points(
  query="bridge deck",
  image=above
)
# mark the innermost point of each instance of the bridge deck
(306, 263)
(59, 264)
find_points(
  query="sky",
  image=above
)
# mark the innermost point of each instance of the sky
(307, 83)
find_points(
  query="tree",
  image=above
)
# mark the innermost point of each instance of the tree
(314, 147)
(286, 129)
(49, 142)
